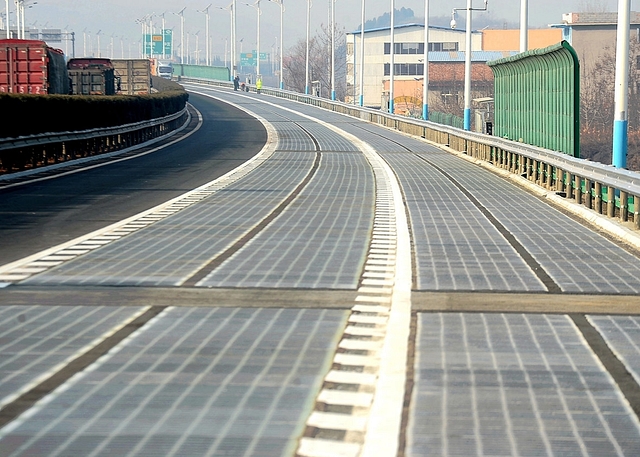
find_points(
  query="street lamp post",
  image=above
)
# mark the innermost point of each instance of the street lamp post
(524, 25)
(425, 86)
(362, 56)
(206, 32)
(231, 10)
(392, 53)
(467, 59)
(181, 14)
(98, 35)
(256, 6)
(306, 78)
(333, 49)
(234, 48)
(6, 7)
(621, 119)
(280, 2)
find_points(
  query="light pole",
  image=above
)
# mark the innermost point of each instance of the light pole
(306, 78)
(98, 35)
(206, 33)
(621, 119)
(197, 51)
(181, 14)
(392, 52)
(425, 86)
(84, 42)
(333, 49)
(467, 59)
(256, 6)
(524, 25)
(17, 3)
(233, 31)
(362, 56)
(6, 7)
(280, 2)
(164, 56)
(234, 48)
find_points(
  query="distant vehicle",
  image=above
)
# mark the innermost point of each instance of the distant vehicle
(165, 70)
(134, 74)
(92, 76)
(32, 67)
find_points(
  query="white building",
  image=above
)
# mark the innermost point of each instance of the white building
(408, 58)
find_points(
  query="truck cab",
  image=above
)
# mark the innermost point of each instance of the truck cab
(165, 70)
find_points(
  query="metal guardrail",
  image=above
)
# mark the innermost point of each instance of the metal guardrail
(610, 191)
(18, 154)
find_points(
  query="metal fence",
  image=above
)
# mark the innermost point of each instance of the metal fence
(28, 152)
(610, 191)
(537, 98)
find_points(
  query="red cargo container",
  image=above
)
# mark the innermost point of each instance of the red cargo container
(32, 67)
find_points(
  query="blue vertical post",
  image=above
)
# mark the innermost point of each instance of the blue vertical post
(621, 122)
(425, 85)
(362, 55)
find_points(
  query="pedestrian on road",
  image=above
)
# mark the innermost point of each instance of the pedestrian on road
(258, 85)
(236, 82)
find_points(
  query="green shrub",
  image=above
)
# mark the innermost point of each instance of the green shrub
(33, 114)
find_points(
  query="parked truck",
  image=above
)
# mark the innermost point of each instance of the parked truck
(92, 76)
(134, 75)
(32, 67)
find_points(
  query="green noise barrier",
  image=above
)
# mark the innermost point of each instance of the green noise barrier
(537, 98)
(201, 71)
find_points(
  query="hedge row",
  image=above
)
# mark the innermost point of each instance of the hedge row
(32, 114)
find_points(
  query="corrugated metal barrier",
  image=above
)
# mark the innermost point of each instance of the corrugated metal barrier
(537, 98)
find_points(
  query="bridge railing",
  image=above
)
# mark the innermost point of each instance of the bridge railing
(610, 191)
(29, 152)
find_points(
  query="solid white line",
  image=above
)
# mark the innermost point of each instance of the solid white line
(312, 447)
(341, 397)
(335, 421)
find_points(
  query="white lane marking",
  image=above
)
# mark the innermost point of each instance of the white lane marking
(337, 421)
(134, 223)
(53, 370)
(311, 447)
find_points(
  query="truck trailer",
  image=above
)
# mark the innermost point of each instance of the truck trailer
(134, 75)
(32, 67)
(92, 76)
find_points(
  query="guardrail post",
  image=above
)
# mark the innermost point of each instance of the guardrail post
(559, 180)
(598, 198)
(578, 189)
(611, 202)
(588, 193)
(636, 211)
(624, 202)
(568, 185)
(549, 181)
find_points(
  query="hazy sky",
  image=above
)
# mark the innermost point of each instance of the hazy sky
(117, 18)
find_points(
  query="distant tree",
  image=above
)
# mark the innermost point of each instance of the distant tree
(592, 6)
(597, 109)
(402, 16)
(319, 63)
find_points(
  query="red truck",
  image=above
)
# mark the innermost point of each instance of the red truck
(32, 67)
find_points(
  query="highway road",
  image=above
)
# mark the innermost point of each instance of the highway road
(285, 280)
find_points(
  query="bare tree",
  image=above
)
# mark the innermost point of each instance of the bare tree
(319, 63)
(597, 109)
(593, 6)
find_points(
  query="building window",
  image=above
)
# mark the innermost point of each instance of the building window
(405, 48)
(404, 69)
(445, 46)
(349, 49)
